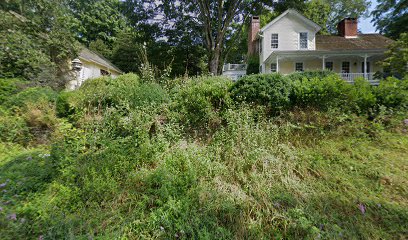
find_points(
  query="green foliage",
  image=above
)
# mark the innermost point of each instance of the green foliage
(31, 96)
(318, 11)
(390, 17)
(393, 93)
(14, 129)
(36, 41)
(271, 90)
(118, 163)
(322, 93)
(362, 95)
(98, 20)
(9, 87)
(397, 57)
(125, 90)
(201, 100)
(252, 65)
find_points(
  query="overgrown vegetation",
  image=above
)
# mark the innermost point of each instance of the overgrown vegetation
(304, 156)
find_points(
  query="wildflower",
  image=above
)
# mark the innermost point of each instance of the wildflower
(406, 122)
(41, 237)
(161, 228)
(3, 185)
(1, 209)
(12, 217)
(362, 208)
(29, 158)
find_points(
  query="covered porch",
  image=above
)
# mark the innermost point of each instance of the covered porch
(348, 64)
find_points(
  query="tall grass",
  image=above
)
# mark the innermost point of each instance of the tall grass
(130, 160)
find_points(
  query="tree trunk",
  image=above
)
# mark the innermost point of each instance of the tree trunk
(214, 61)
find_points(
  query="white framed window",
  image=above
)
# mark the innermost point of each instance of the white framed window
(299, 67)
(328, 66)
(273, 67)
(274, 40)
(345, 67)
(303, 40)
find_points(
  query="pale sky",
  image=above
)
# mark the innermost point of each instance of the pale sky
(365, 25)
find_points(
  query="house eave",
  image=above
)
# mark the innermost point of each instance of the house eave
(296, 13)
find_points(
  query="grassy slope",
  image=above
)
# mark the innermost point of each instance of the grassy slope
(264, 189)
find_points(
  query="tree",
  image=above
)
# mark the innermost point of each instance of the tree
(397, 57)
(37, 40)
(391, 17)
(218, 22)
(318, 11)
(97, 19)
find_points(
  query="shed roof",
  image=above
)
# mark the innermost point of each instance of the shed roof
(362, 42)
(99, 59)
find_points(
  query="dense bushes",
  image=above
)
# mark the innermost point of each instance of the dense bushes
(271, 90)
(123, 91)
(320, 90)
(123, 160)
(200, 101)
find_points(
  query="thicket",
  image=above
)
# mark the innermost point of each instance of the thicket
(282, 157)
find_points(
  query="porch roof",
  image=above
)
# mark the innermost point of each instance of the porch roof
(324, 53)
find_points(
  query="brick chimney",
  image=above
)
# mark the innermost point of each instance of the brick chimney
(347, 28)
(254, 28)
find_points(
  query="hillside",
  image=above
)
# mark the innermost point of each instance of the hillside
(304, 156)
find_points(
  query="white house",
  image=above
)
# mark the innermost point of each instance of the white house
(291, 43)
(90, 65)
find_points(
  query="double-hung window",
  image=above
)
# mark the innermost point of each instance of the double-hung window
(329, 66)
(273, 67)
(274, 40)
(345, 67)
(299, 67)
(303, 40)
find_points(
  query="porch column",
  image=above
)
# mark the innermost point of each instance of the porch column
(324, 63)
(277, 64)
(365, 66)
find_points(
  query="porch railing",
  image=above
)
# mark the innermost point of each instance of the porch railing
(234, 67)
(351, 77)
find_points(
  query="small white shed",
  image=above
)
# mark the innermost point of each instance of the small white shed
(90, 65)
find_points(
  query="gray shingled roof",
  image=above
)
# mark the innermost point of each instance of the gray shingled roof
(362, 42)
(94, 57)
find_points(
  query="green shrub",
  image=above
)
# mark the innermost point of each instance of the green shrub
(298, 76)
(125, 90)
(271, 90)
(362, 96)
(200, 101)
(31, 95)
(9, 87)
(393, 93)
(321, 93)
(14, 129)
(253, 65)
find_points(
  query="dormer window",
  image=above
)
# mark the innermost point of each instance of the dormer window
(303, 40)
(274, 40)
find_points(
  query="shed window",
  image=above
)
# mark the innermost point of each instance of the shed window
(273, 67)
(303, 40)
(345, 67)
(299, 67)
(104, 73)
(274, 40)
